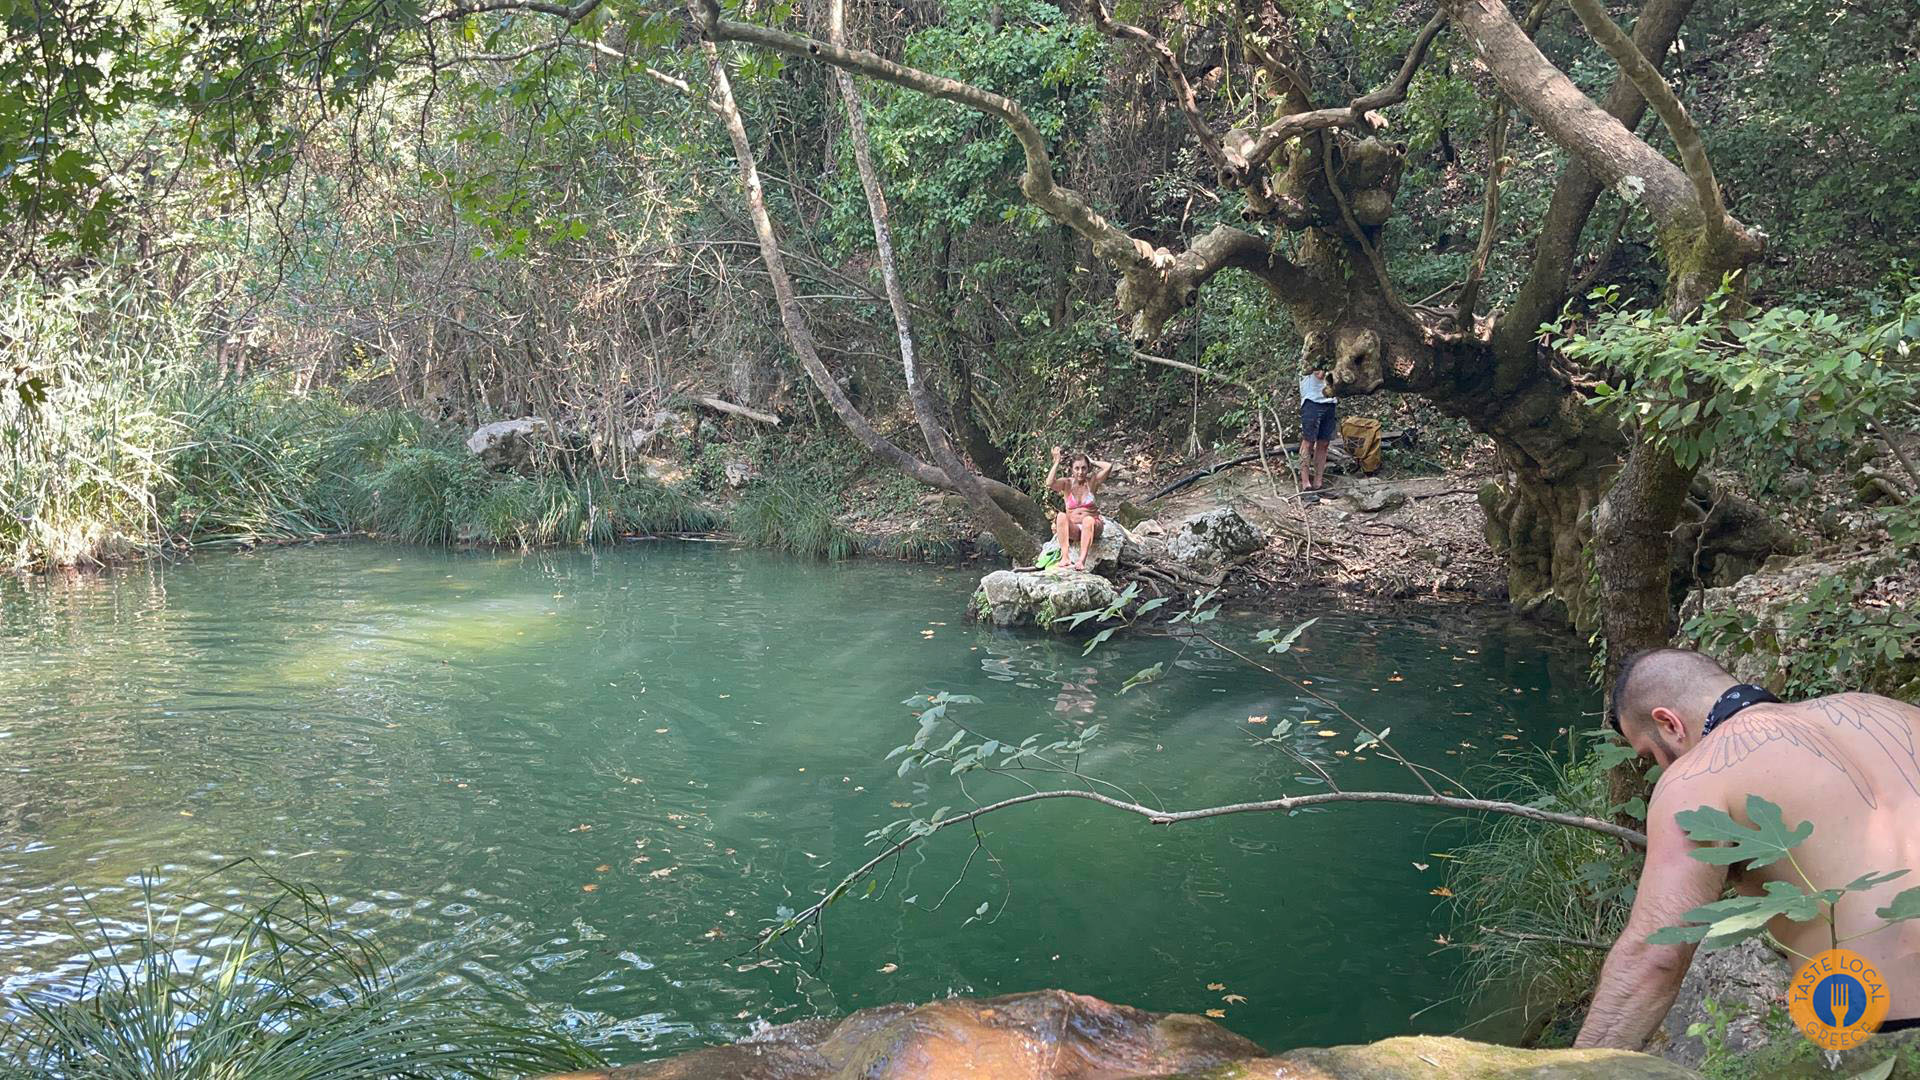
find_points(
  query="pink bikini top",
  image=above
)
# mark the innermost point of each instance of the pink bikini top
(1075, 502)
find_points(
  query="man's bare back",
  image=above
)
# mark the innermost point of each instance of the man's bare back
(1848, 763)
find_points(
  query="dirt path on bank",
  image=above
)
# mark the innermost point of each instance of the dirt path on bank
(1427, 542)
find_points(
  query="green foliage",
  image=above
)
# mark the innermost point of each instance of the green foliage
(1750, 384)
(260, 463)
(1765, 842)
(964, 750)
(283, 993)
(133, 446)
(435, 495)
(1768, 840)
(1778, 146)
(65, 69)
(1827, 641)
(1277, 642)
(85, 432)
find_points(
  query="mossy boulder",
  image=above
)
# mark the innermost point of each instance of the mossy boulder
(1038, 597)
(1211, 539)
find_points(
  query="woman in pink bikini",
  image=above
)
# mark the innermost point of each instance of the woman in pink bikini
(1080, 520)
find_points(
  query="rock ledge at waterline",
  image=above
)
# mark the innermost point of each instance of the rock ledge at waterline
(1197, 551)
(1056, 1035)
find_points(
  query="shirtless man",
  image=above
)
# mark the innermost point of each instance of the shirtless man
(1847, 763)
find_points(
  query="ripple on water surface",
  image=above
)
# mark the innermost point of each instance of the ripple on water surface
(593, 777)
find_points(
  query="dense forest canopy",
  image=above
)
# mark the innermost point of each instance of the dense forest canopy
(517, 205)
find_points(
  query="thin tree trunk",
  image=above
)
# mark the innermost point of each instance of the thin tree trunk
(1014, 501)
(1019, 544)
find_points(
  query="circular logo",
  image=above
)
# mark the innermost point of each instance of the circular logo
(1838, 999)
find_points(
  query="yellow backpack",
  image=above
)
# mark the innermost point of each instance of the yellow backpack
(1363, 441)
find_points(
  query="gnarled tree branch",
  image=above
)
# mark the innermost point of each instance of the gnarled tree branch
(1546, 286)
(1354, 115)
(1156, 283)
(1170, 64)
(1653, 86)
(1635, 170)
(1064, 204)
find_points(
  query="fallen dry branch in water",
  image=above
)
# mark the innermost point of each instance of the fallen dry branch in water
(1287, 804)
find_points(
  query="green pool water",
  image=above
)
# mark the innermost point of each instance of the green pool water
(604, 772)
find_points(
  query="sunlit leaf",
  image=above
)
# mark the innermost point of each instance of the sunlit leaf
(1766, 842)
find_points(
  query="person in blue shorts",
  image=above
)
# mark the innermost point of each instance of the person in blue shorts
(1317, 423)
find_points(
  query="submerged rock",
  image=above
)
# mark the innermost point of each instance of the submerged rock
(1056, 1035)
(1209, 540)
(1043, 1034)
(505, 445)
(1425, 1057)
(1038, 597)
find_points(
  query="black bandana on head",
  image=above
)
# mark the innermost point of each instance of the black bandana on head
(1736, 698)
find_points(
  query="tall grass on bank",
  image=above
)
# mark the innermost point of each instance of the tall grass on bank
(788, 514)
(272, 992)
(1532, 902)
(258, 463)
(434, 495)
(86, 425)
(115, 439)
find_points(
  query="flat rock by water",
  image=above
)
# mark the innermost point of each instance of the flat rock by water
(1113, 549)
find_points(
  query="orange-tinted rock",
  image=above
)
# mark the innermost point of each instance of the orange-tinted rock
(1045, 1035)
(1055, 1035)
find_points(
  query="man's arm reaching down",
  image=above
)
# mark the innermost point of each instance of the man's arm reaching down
(1639, 981)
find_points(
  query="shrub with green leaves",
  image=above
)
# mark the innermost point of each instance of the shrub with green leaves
(1752, 383)
(1827, 641)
